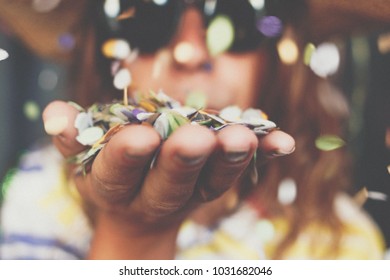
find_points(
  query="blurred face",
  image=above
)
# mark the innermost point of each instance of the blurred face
(185, 66)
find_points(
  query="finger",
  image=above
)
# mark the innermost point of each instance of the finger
(276, 143)
(236, 146)
(171, 182)
(58, 118)
(119, 168)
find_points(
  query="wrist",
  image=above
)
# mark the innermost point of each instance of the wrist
(115, 238)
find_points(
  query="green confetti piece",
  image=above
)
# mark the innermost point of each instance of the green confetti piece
(31, 110)
(175, 121)
(6, 183)
(329, 142)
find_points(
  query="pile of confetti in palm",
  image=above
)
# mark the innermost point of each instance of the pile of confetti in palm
(97, 124)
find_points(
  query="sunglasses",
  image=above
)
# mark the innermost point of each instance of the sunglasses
(150, 25)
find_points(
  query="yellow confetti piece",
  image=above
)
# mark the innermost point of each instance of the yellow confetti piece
(308, 52)
(220, 35)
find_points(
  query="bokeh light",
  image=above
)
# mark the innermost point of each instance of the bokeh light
(270, 26)
(325, 60)
(66, 41)
(48, 79)
(308, 53)
(287, 191)
(209, 7)
(384, 43)
(116, 48)
(160, 2)
(288, 51)
(265, 230)
(44, 6)
(257, 4)
(112, 8)
(31, 110)
(183, 52)
(220, 35)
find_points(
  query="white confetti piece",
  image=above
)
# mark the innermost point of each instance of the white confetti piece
(3, 54)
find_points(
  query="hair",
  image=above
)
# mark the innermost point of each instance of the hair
(296, 106)
(293, 104)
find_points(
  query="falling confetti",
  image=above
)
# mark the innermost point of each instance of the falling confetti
(160, 2)
(112, 8)
(183, 52)
(257, 4)
(31, 110)
(3, 54)
(308, 53)
(287, 191)
(66, 42)
(325, 60)
(220, 35)
(48, 79)
(122, 79)
(329, 142)
(44, 6)
(116, 49)
(288, 51)
(265, 230)
(209, 7)
(270, 26)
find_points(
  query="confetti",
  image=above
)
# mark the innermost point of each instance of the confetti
(287, 191)
(3, 54)
(31, 110)
(112, 8)
(329, 142)
(48, 79)
(308, 53)
(98, 123)
(288, 51)
(265, 230)
(122, 79)
(44, 6)
(160, 2)
(270, 26)
(220, 35)
(66, 42)
(116, 49)
(257, 4)
(183, 52)
(325, 60)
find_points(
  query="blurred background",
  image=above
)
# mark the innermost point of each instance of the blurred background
(29, 83)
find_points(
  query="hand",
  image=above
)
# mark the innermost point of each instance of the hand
(134, 201)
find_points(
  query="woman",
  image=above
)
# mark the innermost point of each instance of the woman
(197, 201)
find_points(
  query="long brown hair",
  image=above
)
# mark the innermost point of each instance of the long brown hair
(292, 98)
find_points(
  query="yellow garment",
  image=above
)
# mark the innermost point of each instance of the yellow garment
(244, 235)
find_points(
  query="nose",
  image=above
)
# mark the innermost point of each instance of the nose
(189, 48)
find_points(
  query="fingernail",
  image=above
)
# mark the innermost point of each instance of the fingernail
(191, 160)
(279, 153)
(236, 156)
(55, 125)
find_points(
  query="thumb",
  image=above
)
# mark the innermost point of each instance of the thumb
(58, 119)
